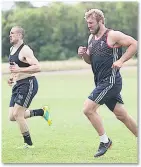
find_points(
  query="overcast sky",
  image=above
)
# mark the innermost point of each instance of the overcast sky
(8, 4)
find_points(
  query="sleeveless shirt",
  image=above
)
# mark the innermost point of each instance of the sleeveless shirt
(102, 57)
(15, 58)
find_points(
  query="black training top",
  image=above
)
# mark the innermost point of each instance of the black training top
(102, 57)
(15, 58)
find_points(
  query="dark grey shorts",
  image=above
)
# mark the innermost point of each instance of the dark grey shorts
(24, 91)
(108, 94)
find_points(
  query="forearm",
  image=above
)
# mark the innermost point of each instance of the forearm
(31, 69)
(130, 52)
(86, 58)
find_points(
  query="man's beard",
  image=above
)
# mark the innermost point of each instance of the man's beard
(96, 30)
(13, 42)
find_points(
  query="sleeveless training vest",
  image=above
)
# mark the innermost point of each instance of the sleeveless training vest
(15, 58)
(102, 57)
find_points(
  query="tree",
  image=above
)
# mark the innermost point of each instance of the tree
(54, 32)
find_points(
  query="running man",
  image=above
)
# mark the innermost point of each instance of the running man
(23, 65)
(104, 53)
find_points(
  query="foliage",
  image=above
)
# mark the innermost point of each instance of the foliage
(54, 32)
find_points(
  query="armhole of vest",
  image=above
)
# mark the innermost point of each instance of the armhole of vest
(107, 41)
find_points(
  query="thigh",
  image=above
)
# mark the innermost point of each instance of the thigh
(101, 93)
(11, 110)
(13, 96)
(120, 111)
(105, 92)
(90, 105)
(26, 93)
(112, 102)
(19, 111)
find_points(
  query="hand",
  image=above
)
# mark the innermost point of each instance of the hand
(117, 64)
(10, 81)
(14, 68)
(82, 51)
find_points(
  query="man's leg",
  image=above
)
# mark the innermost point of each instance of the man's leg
(121, 114)
(18, 113)
(11, 117)
(44, 112)
(90, 110)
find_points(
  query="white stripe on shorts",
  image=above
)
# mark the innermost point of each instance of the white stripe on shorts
(29, 94)
(103, 93)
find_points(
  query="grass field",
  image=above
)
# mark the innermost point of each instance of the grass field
(71, 138)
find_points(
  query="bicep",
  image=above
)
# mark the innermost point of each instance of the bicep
(30, 58)
(123, 40)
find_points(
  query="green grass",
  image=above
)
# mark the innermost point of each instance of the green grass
(71, 138)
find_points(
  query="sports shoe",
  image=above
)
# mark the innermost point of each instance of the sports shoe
(25, 146)
(46, 115)
(103, 147)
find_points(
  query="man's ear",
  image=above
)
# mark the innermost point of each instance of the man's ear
(100, 22)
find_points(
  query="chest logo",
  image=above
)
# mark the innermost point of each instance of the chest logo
(101, 44)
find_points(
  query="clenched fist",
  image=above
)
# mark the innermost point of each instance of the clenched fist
(117, 64)
(82, 51)
(10, 81)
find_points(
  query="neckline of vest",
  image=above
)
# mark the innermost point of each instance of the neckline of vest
(20, 47)
(102, 35)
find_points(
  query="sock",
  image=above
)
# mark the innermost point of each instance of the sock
(27, 138)
(37, 112)
(104, 138)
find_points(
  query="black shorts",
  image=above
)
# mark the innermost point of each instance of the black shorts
(107, 93)
(23, 92)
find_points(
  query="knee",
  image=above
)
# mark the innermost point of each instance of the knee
(11, 118)
(88, 110)
(122, 116)
(15, 115)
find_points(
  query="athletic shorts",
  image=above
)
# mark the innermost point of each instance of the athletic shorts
(107, 93)
(24, 91)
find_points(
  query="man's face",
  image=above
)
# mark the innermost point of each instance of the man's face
(14, 36)
(93, 25)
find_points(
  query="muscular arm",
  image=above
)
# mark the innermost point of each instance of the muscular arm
(28, 55)
(125, 41)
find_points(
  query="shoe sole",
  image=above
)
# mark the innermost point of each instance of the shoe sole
(25, 147)
(49, 121)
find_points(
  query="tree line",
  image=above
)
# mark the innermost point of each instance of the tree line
(55, 31)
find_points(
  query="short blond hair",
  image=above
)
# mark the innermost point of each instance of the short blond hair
(20, 30)
(96, 13)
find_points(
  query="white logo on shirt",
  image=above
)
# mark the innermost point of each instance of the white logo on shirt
(101, 43)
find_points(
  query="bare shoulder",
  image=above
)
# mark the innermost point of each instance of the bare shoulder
(118, 35)
(26, 52)
(115, 34)
(26, 49)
